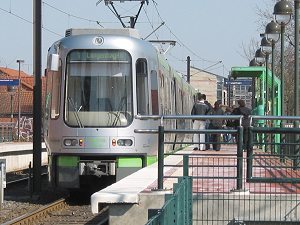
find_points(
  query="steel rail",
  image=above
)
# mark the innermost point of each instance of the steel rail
(33, 217)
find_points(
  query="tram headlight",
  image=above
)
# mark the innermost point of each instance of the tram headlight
(120, 142)
(128, 142)
(67, 142)
(70, 142)
(124, 142)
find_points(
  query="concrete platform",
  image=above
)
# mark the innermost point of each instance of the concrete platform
(215, 193)
(18, 155)
(131, 197)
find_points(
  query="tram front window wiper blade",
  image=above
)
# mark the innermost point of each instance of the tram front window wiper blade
(70, 100)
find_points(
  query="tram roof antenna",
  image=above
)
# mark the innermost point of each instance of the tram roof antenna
(133, 19)
(170, 42)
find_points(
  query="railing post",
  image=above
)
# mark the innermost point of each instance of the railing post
(2, 180)
(250, 154)
(190, 200)
(239, 183)
(282, 141)
(185, 165)
(160, 157)
(30, 180)
(297, 147)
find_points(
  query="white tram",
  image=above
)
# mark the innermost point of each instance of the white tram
(97, 81)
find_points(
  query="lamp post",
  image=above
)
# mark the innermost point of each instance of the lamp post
(296, 71)
(282, 11)
(260, 58)
(19, 61)
(11, 90)
(272, 33)
(266, 48)
(254, 63)
(297, 78)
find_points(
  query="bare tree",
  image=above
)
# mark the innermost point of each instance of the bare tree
(264, 17)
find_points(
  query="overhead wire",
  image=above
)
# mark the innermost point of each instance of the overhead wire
(69, 14)
(184, 45)
(28, 21)
(181, 43)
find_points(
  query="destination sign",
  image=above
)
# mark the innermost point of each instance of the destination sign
(9, 82)
(238, 82)
(99, 55)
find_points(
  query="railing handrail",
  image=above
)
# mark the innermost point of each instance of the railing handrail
(6, 123)
(189, 117)
(275, 117)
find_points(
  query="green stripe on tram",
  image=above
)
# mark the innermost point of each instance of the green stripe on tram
(67, 161)
(135, 162)
(151, 160)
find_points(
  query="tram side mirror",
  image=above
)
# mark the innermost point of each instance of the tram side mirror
(54, 62)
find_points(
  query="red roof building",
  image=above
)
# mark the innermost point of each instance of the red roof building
(9, 98)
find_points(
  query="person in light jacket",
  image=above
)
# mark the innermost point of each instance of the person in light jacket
(199, 108)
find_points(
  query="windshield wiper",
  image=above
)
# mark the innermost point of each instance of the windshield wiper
(70, 100)
(118, 112)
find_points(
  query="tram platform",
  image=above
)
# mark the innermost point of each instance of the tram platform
(214, 188)
(18, 155)
(131, 197)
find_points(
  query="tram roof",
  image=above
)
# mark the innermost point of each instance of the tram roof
(100, 31)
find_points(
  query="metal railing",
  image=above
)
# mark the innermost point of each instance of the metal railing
(6, 131)
(162, 131)
(264, 191)
(286, 155)
(177, 209)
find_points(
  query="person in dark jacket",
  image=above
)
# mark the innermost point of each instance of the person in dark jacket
(199, 108)
(207, 136)
(216, 124)
(246, 112)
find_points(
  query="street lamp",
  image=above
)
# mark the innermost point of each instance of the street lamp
(253, 62)
(19, 61)
(11, 90)
(297, 76)
(296, 70)
(266, 48)
(283, 12)
(260, 58)
(272, 33)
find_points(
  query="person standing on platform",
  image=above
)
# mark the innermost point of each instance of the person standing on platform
(199, 108)
(207, 136)
(246, 112)
(216, 124)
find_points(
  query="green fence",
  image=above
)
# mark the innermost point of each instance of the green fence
(233, 186)
(177, 209)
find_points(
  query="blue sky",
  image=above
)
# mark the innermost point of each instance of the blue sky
(209, 31)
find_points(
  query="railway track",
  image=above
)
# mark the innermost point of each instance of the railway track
(62, 212)
(20, 207)
(32, 217)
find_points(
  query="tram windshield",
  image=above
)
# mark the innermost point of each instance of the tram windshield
(98, 88)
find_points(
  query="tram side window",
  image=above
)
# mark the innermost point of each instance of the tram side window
(53, 93)
(161, 92)
(154, 93)
(142, 87)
